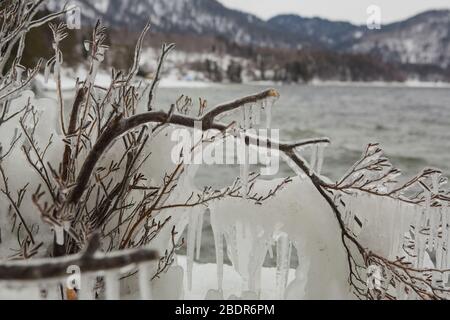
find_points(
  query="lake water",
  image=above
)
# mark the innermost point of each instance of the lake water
(411, 124)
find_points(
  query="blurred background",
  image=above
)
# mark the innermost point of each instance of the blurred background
(276, 43)
(368, 79)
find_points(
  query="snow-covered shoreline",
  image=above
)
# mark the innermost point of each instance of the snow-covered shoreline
(104, 80)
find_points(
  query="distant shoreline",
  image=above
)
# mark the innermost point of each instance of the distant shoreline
(103, 80)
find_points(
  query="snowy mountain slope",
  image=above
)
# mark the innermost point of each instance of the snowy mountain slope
(423, 39)
(199, 17)
(320, 32)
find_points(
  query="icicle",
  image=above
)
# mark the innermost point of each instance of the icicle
(59, 233)
(258, 254)
(427, 205)
(112, 283)
(219, 259)
(251, 120)
(397, 232)
(313, 161)
(47, 72)
(435, 218)
(268, 106)
(289, 261)
(87, 46)
(232, 246)
(417, 233)
(258, 281)
(243, 120)
(282, 264)
(19, 74)
(246, 249)
(270, 249)
(320, 155)
(257, 114)
(218, 244)
(446, 261)
(191, 233)
(420, 243)
(144, 281)
(199, 235)
(245, 167)
(441, 243)
(244, 150)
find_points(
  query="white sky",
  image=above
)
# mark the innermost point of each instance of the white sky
(347, 10)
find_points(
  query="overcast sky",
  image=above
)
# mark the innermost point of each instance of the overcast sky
(349, 10)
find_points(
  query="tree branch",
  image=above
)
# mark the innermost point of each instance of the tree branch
(120, 125)
(88, 261)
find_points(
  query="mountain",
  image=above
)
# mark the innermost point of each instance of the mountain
(418, 47)
(423, 40)
(317, 31)
(198, 17)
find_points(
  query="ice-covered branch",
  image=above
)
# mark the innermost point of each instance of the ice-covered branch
(119, 126)
(90, 260)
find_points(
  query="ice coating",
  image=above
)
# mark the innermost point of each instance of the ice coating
(112, 285)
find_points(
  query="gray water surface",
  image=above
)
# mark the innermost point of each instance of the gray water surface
(411, 124)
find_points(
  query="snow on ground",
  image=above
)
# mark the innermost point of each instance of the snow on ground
(176, 83)
(204, 277)
(68, 80)
(103, 79)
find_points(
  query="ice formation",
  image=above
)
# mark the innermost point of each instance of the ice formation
(144, 282)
